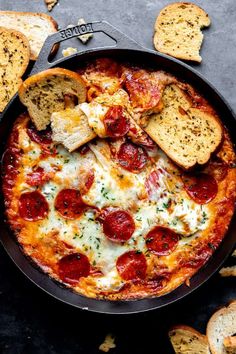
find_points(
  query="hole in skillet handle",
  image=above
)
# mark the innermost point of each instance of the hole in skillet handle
(120, 40)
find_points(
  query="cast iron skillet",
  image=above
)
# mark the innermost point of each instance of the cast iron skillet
(124, 48)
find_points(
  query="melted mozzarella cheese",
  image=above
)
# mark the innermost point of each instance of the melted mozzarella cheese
(95, 113)
(168, 205)
(97, 109)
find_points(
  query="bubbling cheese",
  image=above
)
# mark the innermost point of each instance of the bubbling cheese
(168, 206)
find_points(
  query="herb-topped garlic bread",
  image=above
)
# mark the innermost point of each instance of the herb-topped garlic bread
(187, 134)
(44, 93)
(186, 340)
(14, 59)
(35, 26)
(178, 30)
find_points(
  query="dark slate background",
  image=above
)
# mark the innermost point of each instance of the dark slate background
(31, 322)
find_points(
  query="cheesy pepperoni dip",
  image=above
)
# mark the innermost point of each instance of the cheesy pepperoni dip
(116, 219)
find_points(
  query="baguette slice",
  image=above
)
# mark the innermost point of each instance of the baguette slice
(14, 59)
(35, 26)
(186, 340)
(70, 128)
(230, 345)
(178, 30)
(44, 93)
(187, 135)
(221, 325)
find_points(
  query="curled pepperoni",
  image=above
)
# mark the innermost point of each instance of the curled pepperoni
(201, 188)
(152, 182)
(72, 267)
(132, 157)
(38, 177)
(84, 149)
(161, 240)
(33, 206)
(115, 122)
(70, 204)
(42, 137)
(144, 89)
(132, 265)
(118, 226)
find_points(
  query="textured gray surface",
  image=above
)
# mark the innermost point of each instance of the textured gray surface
(33, 322)
(136, 18)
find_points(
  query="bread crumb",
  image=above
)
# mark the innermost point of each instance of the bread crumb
(234, 253)
(50, 4)
(228, 271)
(108, 343)
(68, 51)
(84, 37)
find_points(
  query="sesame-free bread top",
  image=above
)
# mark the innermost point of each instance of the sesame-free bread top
(222, 324)
(70, 128)
(44, 93)
(14, 59)
(35, 26)
(186, 340)
(186, 134)
(178, 30)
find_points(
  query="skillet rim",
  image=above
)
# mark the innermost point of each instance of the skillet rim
(55, 289)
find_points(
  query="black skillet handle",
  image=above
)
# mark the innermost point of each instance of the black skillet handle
(121, 41)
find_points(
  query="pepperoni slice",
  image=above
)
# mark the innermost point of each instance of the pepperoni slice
(151, 183)
(161, 240)
(73, 267)
(132, 157)
(33, 206)
(143, 88)
(118, 226)
(38, 177)
(201, 188)
(115, 122)
(42, 137)
(132, 265)
(70, 204)
(10, 161)
(84, 149)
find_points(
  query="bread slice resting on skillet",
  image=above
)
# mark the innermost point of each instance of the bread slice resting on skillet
(187, 134)
(46, 92)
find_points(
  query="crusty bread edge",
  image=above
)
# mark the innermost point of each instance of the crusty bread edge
(26, 42)
(214, 317)
(39, 76)
(188, 168)
(181, 3)
(49, 18)
(155, 35)
(190, 329)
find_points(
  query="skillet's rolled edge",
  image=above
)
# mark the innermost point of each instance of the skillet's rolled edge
(65, 295)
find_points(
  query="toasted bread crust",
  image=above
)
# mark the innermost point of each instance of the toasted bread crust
(180, 37)
(49, 19)
(180, 124)
(186, 339)
(60, 82)
(221, 324)
(15, 63)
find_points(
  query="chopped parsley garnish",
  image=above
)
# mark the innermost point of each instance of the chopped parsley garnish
(204, 218)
